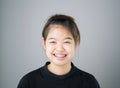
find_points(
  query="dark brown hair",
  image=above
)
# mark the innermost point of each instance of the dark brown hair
(63, 20)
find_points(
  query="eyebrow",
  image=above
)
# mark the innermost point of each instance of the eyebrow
(50, 38)
(64, 39)
(68, 38)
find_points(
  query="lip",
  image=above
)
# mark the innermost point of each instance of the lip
(60, 56)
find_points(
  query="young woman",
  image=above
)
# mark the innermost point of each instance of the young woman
(60, 38)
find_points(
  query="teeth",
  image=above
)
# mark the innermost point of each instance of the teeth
(59, 55)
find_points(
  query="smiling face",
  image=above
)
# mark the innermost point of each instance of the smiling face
(59, 45)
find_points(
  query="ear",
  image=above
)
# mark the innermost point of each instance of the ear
(43, 43)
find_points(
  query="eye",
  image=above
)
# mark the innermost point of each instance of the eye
(67, 42)
(52, 42)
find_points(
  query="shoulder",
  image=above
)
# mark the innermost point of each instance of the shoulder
(88, 78)
(32, 73)
(28, 78)
(83, 73)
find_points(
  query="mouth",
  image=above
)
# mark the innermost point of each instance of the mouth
(60, 55)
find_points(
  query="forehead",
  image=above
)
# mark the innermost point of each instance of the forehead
(59, 31)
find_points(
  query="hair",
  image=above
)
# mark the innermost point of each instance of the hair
(65, 21)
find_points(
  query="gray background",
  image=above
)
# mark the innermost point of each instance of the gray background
(21, 23)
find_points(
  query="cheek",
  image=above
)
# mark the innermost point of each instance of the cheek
(49, 49)
(70, 49)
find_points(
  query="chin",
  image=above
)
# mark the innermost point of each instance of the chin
(61, 63)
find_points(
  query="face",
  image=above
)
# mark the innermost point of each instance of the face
(59, 45)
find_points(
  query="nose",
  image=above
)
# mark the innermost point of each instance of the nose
(59, 47)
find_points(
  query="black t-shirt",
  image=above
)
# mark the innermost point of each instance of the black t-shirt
(43, 78)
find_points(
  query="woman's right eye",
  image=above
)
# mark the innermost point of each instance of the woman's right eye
(52, 42)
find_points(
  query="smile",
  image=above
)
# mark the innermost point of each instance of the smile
(60, 55)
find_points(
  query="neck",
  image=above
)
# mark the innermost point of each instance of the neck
(59, 70)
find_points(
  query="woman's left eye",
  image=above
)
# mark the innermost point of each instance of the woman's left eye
(67, 42)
